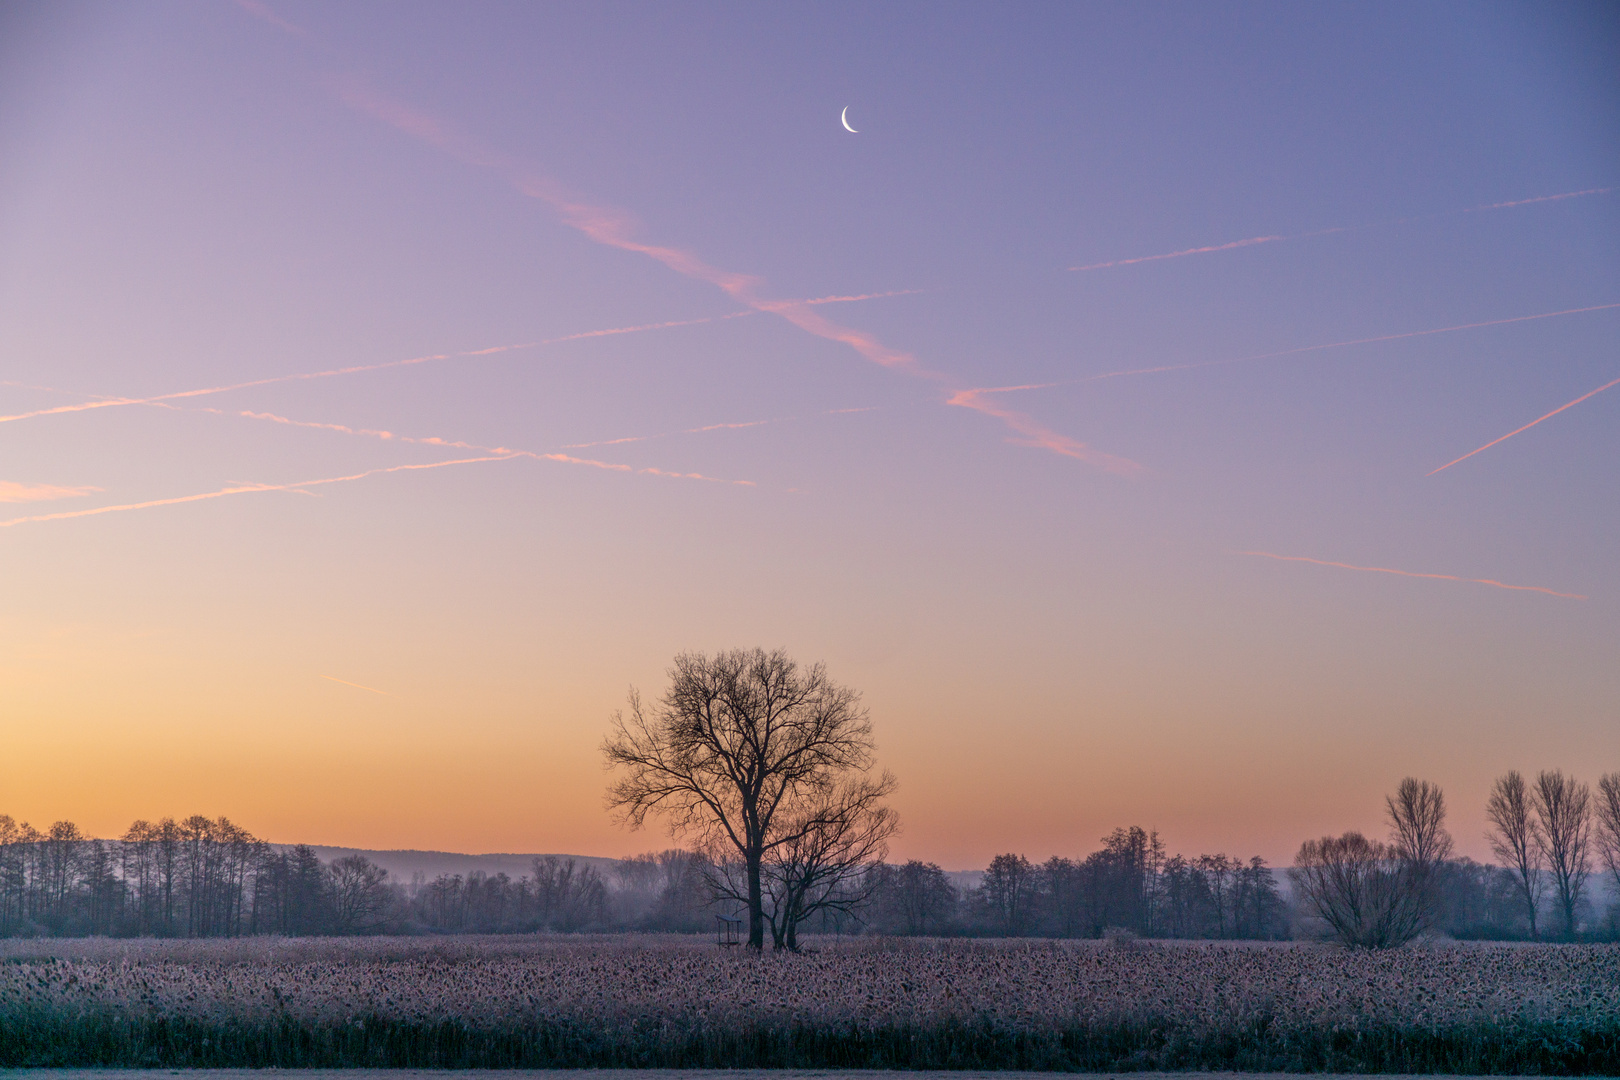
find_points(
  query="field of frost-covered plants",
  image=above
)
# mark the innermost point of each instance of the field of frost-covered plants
(670, 1001)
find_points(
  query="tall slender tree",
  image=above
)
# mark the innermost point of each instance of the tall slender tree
(1608, 825)
(1417, 828)
(1564, 817)
(1514, 838)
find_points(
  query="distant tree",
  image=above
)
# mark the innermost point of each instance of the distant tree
(1564, 820)
(568, 896)
(1359, 888)
(1261, 914)
(59, 861)
(360, 896)
(1009, 891)
(1515, 839)
(1121, 882)
(1417, 828)
(735, 743)
(920, 897)
(1222, 875)
(1065, 900)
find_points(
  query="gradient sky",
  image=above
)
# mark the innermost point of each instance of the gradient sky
(1350, 243)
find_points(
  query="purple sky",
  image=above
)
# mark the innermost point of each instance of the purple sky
(1147, 335)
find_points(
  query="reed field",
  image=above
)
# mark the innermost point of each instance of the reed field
(866, 1003)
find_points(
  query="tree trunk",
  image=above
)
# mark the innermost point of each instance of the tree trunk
(756, 905)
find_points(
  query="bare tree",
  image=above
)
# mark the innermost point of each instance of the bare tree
(1515, 839)
(1359, 888)
(736, 740)
(1417, 827)
(1009, 890)
(832, 842)
(359, 893)
(1564, 814)
(918, 896)
(1608, 824)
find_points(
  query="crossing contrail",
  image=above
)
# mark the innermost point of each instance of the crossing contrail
(180, 395)
(102, 401)
(615, 228)
(502, 451)
(1253, 240)
(1195, 365)
(1527, 427)
(1408, 573)
(246, 489)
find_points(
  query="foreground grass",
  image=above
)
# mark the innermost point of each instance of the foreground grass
(1145, 1044)
(536, 1002)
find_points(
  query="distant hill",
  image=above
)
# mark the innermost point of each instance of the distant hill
(404, 865)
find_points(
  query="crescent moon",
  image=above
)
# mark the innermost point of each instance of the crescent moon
(844, 116)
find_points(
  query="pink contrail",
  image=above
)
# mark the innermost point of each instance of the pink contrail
(247, 489)
(1253, 240)
(1344, 344)
(1250, 242)
(614, 228)
(109, 402)
(1527, 427)
(1538, 199)
(1294, 352)
(357, 686)
(864, 296)
(1407, 573)
(667, 434)
(260, 11)
(502, 451)
(709, 427)
(13, 492)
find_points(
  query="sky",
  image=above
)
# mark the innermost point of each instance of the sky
(1133, 407)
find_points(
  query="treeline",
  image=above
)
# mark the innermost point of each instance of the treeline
(202, 877)
(1552, 836)
(1128, 886)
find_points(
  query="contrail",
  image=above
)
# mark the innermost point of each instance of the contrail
(13, 492)
(1527, 427)
(864, 296)
(1537, 199)
(110, 402)
(1034, 434)
(667, 434)
(247, 489)
(1253, 240)
(1344, 344)
(1407, 573)
(709, 427)
(260, 11)
(1290, 352)
(1250, 242)
(615, 228)
(501, 451)
(357, 686)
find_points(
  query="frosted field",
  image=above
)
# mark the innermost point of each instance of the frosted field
(1022, 984)
(916, 1004)
(598, 1074)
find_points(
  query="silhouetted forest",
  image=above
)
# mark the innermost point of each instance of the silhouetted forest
(203, 877)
